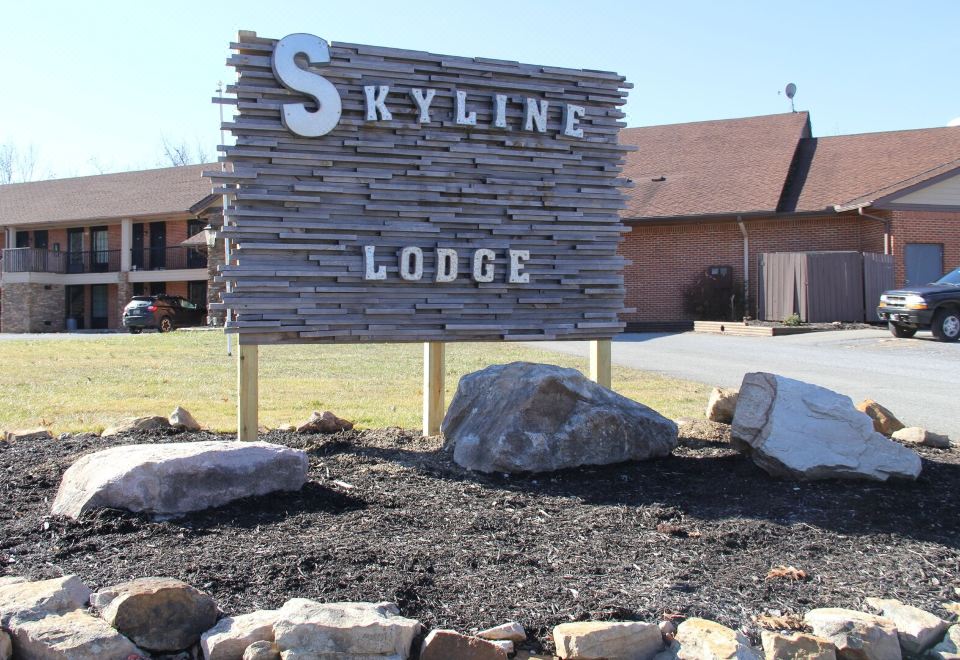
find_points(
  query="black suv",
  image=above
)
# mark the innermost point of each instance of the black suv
(165, 313)
(935, 306)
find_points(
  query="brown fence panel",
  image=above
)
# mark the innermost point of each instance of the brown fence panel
(782, 286)
(835, 287)
(877, 278)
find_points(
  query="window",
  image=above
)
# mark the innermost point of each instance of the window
(23, 239)
(41, 239)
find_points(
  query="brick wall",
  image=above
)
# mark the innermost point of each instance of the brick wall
(32, 307)
(924, 227)
(667, 257)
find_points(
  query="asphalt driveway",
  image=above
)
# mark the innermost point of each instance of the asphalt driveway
(915, 378)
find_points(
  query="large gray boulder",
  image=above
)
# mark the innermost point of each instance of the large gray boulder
(524, 417)
(798, 430)
(176, 478)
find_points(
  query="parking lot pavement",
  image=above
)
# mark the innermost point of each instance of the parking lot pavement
(915, 378)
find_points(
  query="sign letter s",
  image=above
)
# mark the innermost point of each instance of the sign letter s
(295, 116)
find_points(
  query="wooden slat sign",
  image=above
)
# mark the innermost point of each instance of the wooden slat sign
(383, 195)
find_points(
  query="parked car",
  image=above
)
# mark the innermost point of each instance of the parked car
(165, 313)
(934, 306)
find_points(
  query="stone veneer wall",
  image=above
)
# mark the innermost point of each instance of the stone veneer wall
(31, 307)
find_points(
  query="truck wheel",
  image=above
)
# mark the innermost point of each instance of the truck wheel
(901, 331)
(166, 325)
(946, 325)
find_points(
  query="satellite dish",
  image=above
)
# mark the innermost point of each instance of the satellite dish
(791, 91)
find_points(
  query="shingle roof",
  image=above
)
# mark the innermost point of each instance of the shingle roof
(121, 195)
(857, 169)
(711, 167)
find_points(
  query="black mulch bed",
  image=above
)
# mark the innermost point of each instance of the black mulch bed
(388, 516)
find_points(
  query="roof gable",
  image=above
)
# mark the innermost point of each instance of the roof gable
(125, 194)
(712, 167)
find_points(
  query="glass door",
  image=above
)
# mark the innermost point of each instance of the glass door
(74, 250)
(100, 257)
(75, 304)
(98, 306)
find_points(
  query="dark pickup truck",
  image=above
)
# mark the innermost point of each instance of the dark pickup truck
(935, 306)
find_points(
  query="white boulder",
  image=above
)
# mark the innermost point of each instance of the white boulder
(856, 634)
(916, 628)
(722, 405)
(177, 478)
(626, 640)
(74, 635)
(949, 646)
(233, 634)
(181, 418)
(308, 629)
(700, 639)
(916, 435)
(795, 429)
(6, 646)
(26, 601)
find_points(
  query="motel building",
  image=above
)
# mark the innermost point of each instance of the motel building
(76, 250)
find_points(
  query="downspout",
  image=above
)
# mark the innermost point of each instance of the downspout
(746, 266)
(886, 228)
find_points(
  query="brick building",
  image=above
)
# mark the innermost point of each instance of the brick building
(720, 193)
(77, 249)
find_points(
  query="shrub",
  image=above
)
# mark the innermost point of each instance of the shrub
(793, 319)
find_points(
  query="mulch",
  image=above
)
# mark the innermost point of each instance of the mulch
(387, 515)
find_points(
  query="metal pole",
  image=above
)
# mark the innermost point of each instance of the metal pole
(224, 202)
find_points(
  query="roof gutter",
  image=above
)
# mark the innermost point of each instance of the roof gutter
(746, 264)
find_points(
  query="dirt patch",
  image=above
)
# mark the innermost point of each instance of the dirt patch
(388, 516)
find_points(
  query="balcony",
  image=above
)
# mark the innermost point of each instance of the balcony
(37, 260)
(171, 258)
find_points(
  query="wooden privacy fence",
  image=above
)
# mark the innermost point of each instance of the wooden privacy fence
(822, 287)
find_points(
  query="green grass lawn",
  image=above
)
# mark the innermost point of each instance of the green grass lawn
(72, 385)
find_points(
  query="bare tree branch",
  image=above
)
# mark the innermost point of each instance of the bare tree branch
(17, 165)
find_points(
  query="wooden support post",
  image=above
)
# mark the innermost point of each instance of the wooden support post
(600, 361)
(247, 396)
(433, 400)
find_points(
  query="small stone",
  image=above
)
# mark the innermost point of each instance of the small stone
(722, 404)
(287, 428)
(953, 608)
(6, 646)
(884, 421)
(160, 614)
(35, 600)
(512, 631)
(700, 639)
(667, 628)
(449, 644)
(916, 628)
(262, 650)
(504, 644)
(856, 634)
(181, 418)
(919, 436)
(325, 422)
(308, 629)
(949, 647)
(589, 640)
(74, 635)
(796, 646)
(228, 639)
(137, 425)
(31, 434)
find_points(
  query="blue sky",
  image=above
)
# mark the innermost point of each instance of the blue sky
(97, 86)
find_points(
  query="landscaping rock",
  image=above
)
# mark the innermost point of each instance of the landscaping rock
(700, 639)
(232, 635)
(524, 417)
(325, 422)
(796, 646)
(857, 636)
(794, 429)
(918, 436)
(32, 434)
(6, 647)
(504, 644)
(590, 640)
(949, 646)
(137, 424)
(181, 418)
(722, 405)
(449, 644)
(916, 628)
(160, 614)
(74, 635)
(884, 421)
(511, 631)
(27, 601)
(262, 650)
(307, 629)
(177, 478)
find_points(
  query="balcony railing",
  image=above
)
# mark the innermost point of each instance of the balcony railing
(170, 258)
(37, 260)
